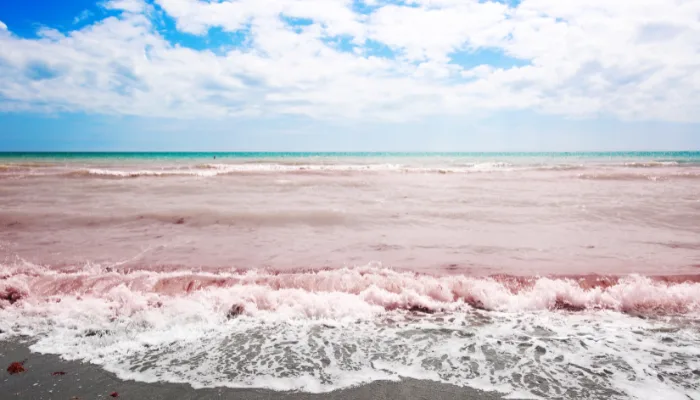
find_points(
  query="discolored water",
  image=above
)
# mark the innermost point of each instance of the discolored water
(524, 273)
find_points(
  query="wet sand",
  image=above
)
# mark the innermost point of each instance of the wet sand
(87, 381)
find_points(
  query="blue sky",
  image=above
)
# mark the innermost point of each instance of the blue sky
(349, 75)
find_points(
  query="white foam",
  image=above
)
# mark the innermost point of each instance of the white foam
(521, 395)
(138, 173)
(652, 164)
(209, 170)
(353, 291)
(652, 391)
(325, 330)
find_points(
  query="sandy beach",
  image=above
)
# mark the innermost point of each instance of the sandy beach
(87, 381)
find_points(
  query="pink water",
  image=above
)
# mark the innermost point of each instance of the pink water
(502, 254)
(486, 219)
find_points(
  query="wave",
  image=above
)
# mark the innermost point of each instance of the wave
(380, 289)
(29, 165)
(652, 164)
(24, 168)
(317, 331)
(185, 217)
(210, 170)
(13, 168)
(37, 169)
(205, 170)
(622, 176)
(213, 170)
(560, 167)
(117, 174)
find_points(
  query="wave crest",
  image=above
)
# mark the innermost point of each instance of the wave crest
(622, 176)
(372, 288)
(317, 331)
(209, 170)
(652, 164)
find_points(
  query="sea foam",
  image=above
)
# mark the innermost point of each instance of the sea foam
(322, 330)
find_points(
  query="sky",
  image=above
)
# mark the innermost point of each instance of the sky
(349, 75)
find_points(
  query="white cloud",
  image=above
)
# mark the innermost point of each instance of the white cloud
(434, 31)
(632, 59)
(196, 17)
(134, 6)
(84, 15)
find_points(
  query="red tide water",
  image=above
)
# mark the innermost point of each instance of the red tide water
(390, 289)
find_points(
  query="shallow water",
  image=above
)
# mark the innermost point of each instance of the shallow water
(559, 275)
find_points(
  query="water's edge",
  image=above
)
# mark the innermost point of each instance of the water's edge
(90, 381)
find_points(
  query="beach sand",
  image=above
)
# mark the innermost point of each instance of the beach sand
(87, 381)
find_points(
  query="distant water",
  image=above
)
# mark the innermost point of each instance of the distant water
(558, 275)
(668, 155)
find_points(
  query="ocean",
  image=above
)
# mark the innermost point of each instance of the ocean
(537, 275)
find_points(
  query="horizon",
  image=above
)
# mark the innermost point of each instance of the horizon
(353, 153)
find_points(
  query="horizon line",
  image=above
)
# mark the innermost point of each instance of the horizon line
(14, 152)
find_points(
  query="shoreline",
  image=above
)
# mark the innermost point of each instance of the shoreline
(88, 381)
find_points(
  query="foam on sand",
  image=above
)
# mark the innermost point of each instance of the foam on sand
(317, 331)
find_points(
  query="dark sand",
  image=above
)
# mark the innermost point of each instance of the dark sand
(87, 381)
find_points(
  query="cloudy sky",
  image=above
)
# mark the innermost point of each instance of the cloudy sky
(468, 75)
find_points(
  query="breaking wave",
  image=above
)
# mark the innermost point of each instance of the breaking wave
(205, 170)
(374, 289)
(622, 176)
(595, 172)
(652, 164)
(317, 331)
(211, 170)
